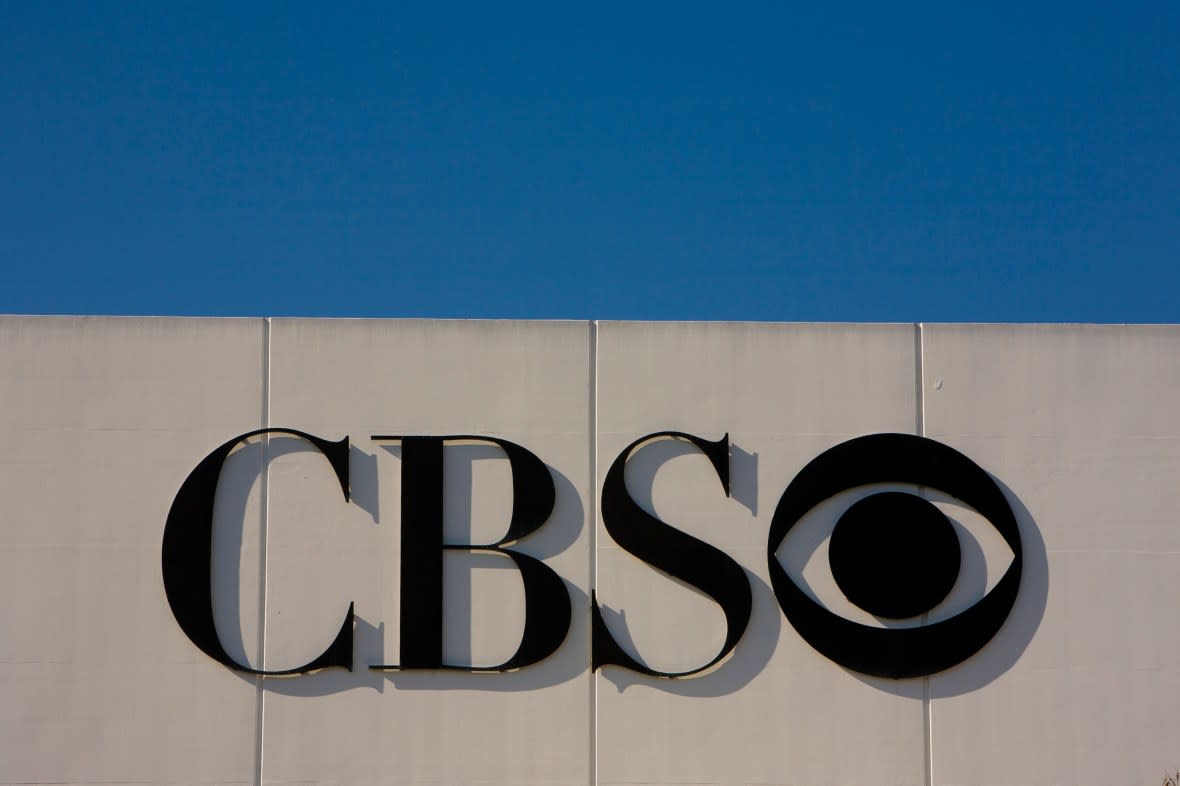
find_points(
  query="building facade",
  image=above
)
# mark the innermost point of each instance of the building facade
(790, 553)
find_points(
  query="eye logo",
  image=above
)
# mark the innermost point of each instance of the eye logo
(895, 555)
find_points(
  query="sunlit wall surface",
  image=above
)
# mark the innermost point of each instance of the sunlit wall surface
(102, 420)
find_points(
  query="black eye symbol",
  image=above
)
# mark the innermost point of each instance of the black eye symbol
(884, 527)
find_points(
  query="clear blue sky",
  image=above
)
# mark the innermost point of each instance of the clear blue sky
(778, 161)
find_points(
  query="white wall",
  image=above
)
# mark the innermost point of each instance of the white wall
(102, 419)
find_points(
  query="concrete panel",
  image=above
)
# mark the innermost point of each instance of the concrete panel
(1080, 424)
(101, 421)
(776, 711)
(527, 383)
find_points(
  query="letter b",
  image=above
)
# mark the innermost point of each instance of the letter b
(547, 602)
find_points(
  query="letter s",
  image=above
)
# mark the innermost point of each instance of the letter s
(679, 555)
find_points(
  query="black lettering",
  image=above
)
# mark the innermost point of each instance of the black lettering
(547, 602)
(187, 556)
(668, 549)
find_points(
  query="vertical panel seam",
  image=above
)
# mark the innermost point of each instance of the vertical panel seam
(927, 709)
(264, 500)
(592, 518)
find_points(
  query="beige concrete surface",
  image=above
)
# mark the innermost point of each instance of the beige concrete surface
(101, 420)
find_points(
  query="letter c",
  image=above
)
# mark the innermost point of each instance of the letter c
(187, 556)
